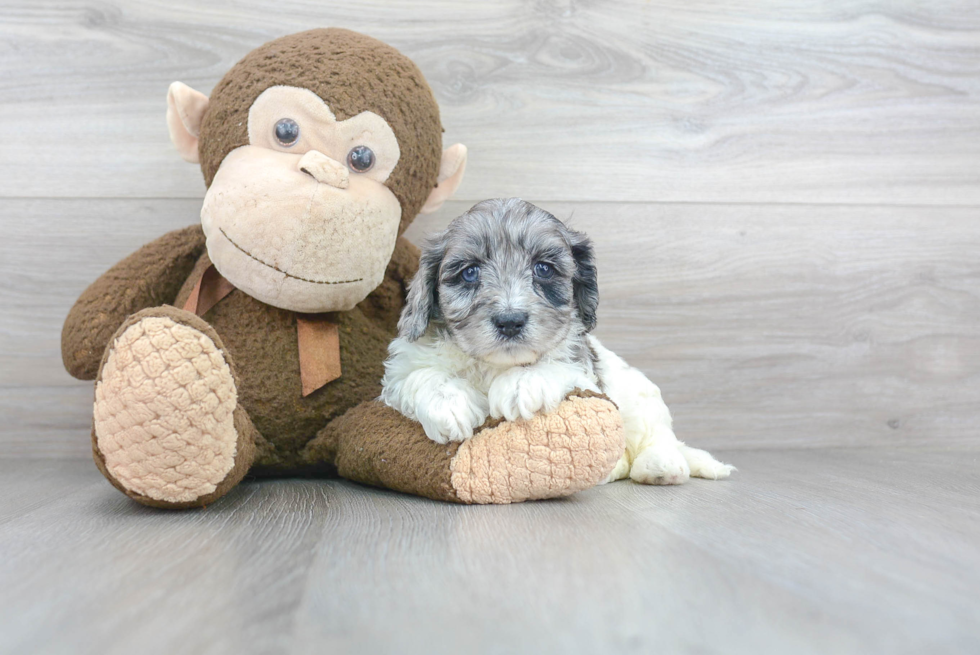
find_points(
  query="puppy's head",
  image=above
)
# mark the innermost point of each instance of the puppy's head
(507, 280)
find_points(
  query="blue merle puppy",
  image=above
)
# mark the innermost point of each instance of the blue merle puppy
(497, 323)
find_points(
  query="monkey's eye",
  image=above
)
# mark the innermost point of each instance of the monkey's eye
(470, 274)
(360, 158)
(287, 132)
(543, 270)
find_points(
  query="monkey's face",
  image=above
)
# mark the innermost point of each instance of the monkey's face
(300, 218)
(318, 148)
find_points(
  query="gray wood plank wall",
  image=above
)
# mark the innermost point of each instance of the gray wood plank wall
(785, 197)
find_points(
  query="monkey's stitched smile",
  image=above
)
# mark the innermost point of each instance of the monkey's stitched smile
(279, 270)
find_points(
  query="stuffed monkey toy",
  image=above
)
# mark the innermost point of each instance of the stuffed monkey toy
(254, 342)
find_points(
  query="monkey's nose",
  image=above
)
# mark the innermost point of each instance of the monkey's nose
(510, 324)
(325, 170)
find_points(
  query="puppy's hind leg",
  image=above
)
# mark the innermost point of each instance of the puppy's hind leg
(653, 453)
(658, 459)
(703, 465)
(621, 471)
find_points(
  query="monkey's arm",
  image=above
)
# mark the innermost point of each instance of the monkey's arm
(149, 277)
(552, 455)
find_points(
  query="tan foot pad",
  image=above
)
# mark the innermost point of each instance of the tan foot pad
(164, 411)
(573, 448)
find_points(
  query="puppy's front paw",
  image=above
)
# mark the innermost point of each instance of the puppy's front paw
(451, 412)
(663, 464)
(523, 392)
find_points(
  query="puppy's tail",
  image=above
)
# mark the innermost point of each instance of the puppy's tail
(703, 465)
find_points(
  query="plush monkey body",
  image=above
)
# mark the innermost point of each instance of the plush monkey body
(269, 388)
(318, 150)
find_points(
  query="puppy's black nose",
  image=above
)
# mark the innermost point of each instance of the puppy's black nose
(511, 323)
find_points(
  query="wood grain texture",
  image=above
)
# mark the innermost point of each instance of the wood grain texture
(842, 551)
(794, 324)
(785, 200)
(802, 323)
(865, 101)
(763, 324)
(154, 569)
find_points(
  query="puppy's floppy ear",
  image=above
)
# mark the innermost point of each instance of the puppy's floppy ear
(585, 282)
(422, 305)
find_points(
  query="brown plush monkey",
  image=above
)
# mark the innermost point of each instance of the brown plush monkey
(255, 342)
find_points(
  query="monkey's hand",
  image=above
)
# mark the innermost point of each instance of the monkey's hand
(573, 448)
(523, 391)
(150, 277)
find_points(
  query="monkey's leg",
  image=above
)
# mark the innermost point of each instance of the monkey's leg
(168, 430)
(571, 449)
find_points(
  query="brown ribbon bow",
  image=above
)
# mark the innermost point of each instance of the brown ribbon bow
(318, 337)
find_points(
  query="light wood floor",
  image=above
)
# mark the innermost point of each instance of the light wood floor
(785, 199)
(802, 551)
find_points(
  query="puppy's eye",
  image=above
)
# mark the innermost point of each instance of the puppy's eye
(360, 159)
(470, 274)
(287, 131)
(544, 271)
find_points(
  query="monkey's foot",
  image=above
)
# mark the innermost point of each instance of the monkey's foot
(168, 431)
(551, 455)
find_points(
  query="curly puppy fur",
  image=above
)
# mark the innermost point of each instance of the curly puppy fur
(497, 324)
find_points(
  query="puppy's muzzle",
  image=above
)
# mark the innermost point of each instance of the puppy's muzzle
(510, 324)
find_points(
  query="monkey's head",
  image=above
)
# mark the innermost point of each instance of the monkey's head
(318, 150)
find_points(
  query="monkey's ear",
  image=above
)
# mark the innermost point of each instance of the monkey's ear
(421, 306)
(185, 111)
(450, 175)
